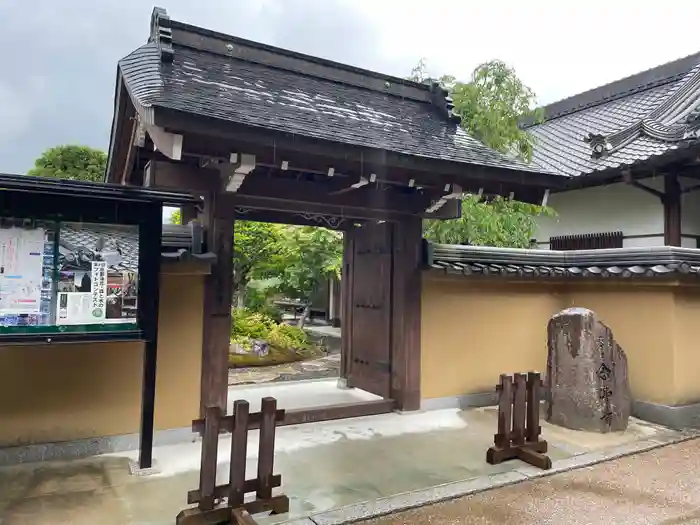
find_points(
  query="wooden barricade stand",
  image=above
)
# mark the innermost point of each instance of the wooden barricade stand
(208, 496)
(519, 422)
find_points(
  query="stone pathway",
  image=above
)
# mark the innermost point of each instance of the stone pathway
(324, 367)
(659, 487)
(339, 472)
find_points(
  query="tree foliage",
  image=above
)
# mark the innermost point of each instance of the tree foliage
(491, 104)
(307, 256)
(72, 162)
(291, 260)
(176, 217)
(501, 222)
(258, 249)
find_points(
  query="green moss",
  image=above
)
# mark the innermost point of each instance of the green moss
(275, 356)
(287, 343)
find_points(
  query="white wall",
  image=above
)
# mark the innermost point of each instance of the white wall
(690, 211)
(619, 207)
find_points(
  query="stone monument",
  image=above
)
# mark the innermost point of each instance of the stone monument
(587, 387)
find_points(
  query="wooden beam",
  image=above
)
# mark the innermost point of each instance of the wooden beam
(691, 189)
(127, 168)
(294, 192)
(248, 202)
(218, 294)
(177, 176)
(406, 314)
(672, 210)
(265, 142)
(290, 196)
(628, 178)
(296, 218)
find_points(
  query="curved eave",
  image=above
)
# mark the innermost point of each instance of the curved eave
(183, 122)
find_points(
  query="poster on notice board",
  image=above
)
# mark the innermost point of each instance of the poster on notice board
(64, 276)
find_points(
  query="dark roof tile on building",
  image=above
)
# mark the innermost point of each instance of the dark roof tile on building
(178, 243)
(234, 80)
(483, 261)
(629, 121)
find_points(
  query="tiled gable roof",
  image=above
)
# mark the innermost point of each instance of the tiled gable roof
(177, 243)
(622, 124)
(385, 113)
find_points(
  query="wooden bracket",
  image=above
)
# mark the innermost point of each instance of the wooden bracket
(628, 179)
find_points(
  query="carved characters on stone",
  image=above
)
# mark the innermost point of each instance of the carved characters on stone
(587, 382)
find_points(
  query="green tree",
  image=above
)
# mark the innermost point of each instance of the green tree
(176, 217)
(491, 105)
(501, 222)
(307, 256)
(257, 249)
(71, 162)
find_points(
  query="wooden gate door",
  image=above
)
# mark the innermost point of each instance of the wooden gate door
(369, 359)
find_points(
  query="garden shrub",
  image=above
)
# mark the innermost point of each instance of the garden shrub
(251, 324)
(247, 325)
(285, 336)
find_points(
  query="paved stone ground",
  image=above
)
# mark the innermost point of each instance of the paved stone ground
(660, 487)
(333, 471)
(324, 367)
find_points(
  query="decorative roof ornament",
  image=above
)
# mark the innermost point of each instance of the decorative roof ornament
(440, 98)
(599, 144)
(162, 34)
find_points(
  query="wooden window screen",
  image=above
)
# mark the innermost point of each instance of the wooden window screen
(587, 241)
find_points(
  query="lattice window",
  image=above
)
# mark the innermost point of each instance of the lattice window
(587, 241)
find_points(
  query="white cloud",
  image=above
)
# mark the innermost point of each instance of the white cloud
(18, 106)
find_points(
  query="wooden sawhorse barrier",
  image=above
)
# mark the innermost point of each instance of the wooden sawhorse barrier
(209, 495)
(519, 422)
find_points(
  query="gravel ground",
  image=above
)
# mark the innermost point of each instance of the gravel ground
(660, 487)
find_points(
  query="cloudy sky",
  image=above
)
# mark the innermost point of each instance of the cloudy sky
(59, 57)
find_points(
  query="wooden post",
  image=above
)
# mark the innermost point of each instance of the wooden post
(210, 447)
(406, 315)
(534, 383)
(218, 294)
(505, 417)
(148, 305)
(519, 409)
(672, 210)
(266, 447)
(346, 284)
(239, 452)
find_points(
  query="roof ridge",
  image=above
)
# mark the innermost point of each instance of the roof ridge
(621, 88)
(167, 34)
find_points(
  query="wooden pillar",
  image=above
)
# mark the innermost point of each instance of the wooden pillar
(346, 302)
(672, 210)
(147, 301)
(218, 292)
(406, 313)
(336, 297)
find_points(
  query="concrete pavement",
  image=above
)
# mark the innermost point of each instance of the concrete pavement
(659, 487)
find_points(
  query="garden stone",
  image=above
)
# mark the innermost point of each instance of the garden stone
(587, 386)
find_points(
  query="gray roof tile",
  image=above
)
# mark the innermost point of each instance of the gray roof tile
(482, 261)
(177, 243)
(249, 93)
(653, 119)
